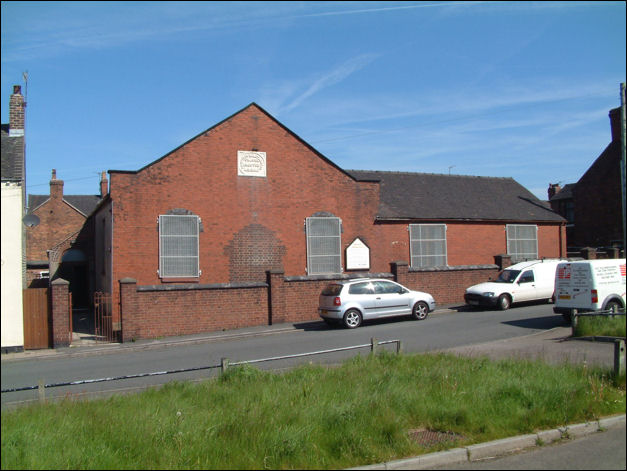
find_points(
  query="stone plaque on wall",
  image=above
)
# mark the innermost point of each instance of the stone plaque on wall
(251, 163)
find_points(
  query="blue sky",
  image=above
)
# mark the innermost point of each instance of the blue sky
(502, 89)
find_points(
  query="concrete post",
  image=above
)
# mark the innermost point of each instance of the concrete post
(619, 357)
(224, 365)
(373, 345)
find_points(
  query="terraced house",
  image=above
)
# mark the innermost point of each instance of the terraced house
(244, 223)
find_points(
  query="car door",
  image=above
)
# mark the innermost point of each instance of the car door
(525, 287)
(363, 295)
(391, 299)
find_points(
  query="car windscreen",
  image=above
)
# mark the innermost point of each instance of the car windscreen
(507, 276)
(332, 290)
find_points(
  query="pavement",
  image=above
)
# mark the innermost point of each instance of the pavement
(555, 346)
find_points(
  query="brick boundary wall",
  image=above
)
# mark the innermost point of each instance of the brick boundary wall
(446, 284)
(171, 310)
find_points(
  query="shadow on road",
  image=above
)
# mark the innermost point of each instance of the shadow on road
(545, 322)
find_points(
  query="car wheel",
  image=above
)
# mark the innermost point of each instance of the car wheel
(352, 319)
(420, 311)
(504, 302)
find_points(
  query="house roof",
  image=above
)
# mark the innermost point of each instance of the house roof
(426, 196)
(85, 204)
(12, 156)
(564, 193)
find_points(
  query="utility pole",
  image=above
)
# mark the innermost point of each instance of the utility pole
(622, 159)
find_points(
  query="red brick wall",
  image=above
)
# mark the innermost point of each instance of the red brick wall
(150, 313)
(448, 286)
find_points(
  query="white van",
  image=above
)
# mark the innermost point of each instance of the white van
(589, 285)
(526, 281)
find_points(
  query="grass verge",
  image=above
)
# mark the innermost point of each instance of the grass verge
(312, 417)
(611, 326)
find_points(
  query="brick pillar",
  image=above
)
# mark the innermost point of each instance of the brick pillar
(589, 253)
(128, 308)
(503, 261)
(60, 313)
(400, 270)
(277, 311)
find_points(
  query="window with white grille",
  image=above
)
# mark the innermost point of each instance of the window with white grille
(178, 246)
(324, 245)
(427, 245)
(522, 241)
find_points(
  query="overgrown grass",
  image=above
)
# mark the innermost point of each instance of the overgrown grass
(611, 326)
(312, 417)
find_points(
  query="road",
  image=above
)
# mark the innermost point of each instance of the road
(602, 450)
(441, 330)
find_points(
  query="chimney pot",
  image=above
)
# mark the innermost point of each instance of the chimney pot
(104, 187)
(554, 188)
(615, 124)
(56, 186)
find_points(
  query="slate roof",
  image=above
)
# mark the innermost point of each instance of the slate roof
(12, 156)
(564, 193)
(426, 196)
(83, 203)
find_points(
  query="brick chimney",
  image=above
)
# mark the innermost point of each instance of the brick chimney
(16, 112)
(554, 189)
(104, 185)
(615, 124)
(56, 187)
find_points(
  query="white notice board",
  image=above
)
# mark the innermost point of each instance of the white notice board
(358, 256)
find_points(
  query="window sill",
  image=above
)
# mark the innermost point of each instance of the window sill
(180, 280)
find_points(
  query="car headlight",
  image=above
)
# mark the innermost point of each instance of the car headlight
(488, 294)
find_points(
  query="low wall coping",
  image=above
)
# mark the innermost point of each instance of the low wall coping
(195, 287)
(456, 268)
(345, 276)
(60, 281)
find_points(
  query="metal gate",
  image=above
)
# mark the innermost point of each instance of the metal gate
(37, 322)
(103, 321)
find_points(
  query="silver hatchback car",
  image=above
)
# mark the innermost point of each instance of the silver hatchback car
(351, 302)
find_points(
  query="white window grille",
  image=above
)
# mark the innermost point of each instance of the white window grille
(178, 246)
(427, 244)
(324, 245)
(522, 241)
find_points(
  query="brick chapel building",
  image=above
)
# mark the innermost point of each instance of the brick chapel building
(244, 223)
